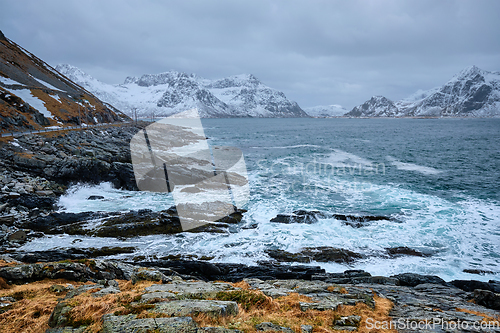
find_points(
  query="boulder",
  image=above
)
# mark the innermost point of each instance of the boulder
(471, 285)
(267, 326)
(180, 308)
(320, 254)
(487, 298)
(412, 279)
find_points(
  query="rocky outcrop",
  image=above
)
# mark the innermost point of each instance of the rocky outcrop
(318, 254)
(309, 217)
(92, 156)
(81, 270)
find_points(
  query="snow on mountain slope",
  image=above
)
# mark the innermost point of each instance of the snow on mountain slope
(473, 92)
(377, 106)
(172, 92)
(326, 111)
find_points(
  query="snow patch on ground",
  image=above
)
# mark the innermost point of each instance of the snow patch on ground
(27, 96)
(48, 85)
(6, 80)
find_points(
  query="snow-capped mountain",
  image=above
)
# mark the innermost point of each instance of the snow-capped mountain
(377, 106)
(172, 92)
(471, 93)
(326, 111)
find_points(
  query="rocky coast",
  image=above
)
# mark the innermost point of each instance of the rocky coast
(80, 290)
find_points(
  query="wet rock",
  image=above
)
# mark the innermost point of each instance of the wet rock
(478, 271)
(180, 308)
(471, 285)
(487, 298)
(267, 326)
(95, 197)
(284, 256)
(358, 221)
(412, 279)
(51, 223)
(84, 270)
(375, 280)
(341, 278)
(404, 251)
(236, 272)
(34, 201)
(299, 216)
(71, 253)
(320, 254)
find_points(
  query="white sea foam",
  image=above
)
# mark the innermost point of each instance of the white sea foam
(76, 199)
(413, 167)
(460, 235)
(287, 147)
(339, 157)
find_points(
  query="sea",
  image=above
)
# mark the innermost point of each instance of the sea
(437, 179)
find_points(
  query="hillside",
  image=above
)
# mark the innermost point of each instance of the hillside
(33, 95)
(171, 92)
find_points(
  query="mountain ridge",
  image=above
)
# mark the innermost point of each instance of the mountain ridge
(472, 92)
(171, 92)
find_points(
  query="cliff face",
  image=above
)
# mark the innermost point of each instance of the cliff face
(33, 95)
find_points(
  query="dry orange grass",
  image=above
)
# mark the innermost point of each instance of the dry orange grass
(30, 314)
(285, 311)
(32, 310)
(4, 263)
(486, 317)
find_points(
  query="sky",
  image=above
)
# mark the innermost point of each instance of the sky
(316, 52)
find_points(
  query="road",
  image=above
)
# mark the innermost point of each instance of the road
(16, 134)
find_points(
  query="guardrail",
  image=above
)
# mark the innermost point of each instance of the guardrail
(15, 134)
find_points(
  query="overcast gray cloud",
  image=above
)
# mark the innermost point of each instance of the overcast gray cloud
(317, 52)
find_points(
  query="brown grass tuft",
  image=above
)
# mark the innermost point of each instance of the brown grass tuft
(36, 302)
(486, 317)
